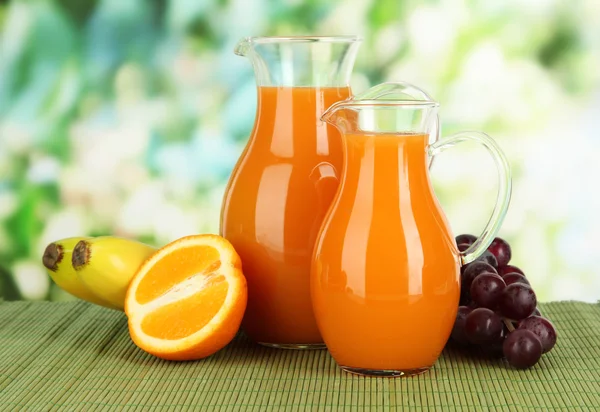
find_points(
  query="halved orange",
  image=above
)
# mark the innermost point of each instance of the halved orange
(187, 300)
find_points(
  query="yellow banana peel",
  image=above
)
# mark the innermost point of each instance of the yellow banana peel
(106, 265)
(57, 261)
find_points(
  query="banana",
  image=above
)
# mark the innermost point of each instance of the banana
(106, 265)
(57, 260)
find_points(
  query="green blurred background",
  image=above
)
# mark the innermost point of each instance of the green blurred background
(126, 117)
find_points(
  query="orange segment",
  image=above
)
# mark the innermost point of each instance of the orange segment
(175, 268)
(183, 317)
(187, 301)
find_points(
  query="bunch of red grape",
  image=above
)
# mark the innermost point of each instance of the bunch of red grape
(498, 308)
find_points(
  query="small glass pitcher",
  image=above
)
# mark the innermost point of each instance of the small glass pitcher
(385, 271)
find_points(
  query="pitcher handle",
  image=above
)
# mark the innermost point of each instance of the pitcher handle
(504, 188)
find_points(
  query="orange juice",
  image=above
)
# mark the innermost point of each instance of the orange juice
(385, 280)
(277, 197)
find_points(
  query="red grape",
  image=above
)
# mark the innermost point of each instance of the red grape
(517, 301)
(482, 325)
(522, 348)
(494, 297)
(486, 289)
(542, 328)
(503, 270)
(458, 331)
(501, 251)
(472, 270)
(514, 277)
(489, 258)
(466, 238)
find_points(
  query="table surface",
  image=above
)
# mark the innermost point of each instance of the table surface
(76, 356)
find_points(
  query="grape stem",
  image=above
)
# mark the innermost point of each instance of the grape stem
(509, 325)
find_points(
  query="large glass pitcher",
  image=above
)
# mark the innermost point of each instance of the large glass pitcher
(385, 275)
(287, 176)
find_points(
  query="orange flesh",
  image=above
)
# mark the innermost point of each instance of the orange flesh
(386, 274)
(277, 198)
(187, 316)
(175, 268)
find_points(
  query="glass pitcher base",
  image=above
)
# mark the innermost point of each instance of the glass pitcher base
(296, 346)
(385, 373)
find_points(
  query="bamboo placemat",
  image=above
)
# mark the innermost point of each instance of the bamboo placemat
(76, 356)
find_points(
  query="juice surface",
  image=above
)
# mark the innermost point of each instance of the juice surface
(385, 281)
(274, 205)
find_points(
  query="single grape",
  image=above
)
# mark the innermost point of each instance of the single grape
(503, 270)
(458, 331)
(486, 289)
(466, 238)
(489, 258)
(522, 348)
(501, 251)
(517, 301)
(543, 329)
(472, 270)
(483, 326)
(514, 277)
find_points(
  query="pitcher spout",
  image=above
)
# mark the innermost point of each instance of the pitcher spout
(332, 114)
(243, 46)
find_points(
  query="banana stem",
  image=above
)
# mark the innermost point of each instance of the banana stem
(81, 255)
(53, 255)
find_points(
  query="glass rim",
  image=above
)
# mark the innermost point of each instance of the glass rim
(304, 39)
(405, 104)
